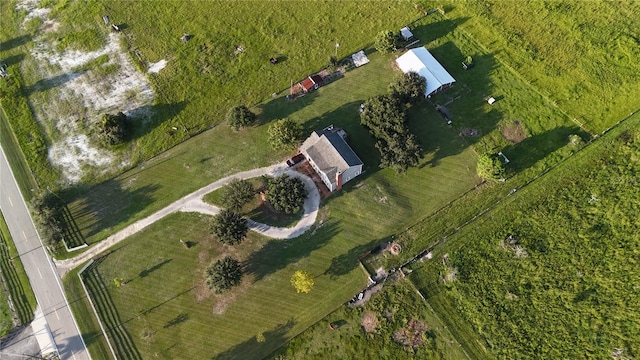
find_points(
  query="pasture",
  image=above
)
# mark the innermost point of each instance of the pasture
(552, 272)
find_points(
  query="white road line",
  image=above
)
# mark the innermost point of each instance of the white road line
(56, 311)
(10, 202)
(39, 273)
(24, 235)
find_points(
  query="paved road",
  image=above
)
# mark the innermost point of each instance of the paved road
(193, 203)
(42, 275)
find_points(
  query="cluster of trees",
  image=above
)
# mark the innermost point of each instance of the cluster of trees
(386, 120)
(48, 217)
(285, 193)
(112, 130)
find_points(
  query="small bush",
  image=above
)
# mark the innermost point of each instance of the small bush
(490, 167)
(112, 130)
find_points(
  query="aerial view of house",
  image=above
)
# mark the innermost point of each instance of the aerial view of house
(319, 179)
(331, 157)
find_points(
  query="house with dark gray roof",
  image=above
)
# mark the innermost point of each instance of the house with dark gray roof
(331, 157)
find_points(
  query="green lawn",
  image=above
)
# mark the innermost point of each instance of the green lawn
(16, 284)
(330, 253)
(570, 293)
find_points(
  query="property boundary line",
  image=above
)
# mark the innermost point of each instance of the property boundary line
(93, 307)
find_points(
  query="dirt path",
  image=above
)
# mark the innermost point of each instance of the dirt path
(193, 203)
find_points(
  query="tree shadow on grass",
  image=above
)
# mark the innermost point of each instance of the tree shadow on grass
(344, 263)
(157, 115)
(12, 60)
(434, 29)
(280, 107)
(535, 148)
(278, 254)
(254, 349)
(15, 42)
(155, 267)
(53, 82)
(106, 205)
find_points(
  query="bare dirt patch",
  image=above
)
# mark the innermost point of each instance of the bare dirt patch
(514, 132)
(73, 89)
(468, 132)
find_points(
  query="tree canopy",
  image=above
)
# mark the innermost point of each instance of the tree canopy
(386, 42)
(237, 193)
(48, 216)
(239, 116)
(113, 129)
(223, 274)
(229, 227)
(490, 167)
(386, 120)
(409, 88)
(302, 281)
(286, 193)
(284, 133)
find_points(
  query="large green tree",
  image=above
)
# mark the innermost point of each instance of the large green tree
(223, 274)
(409, 88)
(284, 133)
(229, 227)
(490, 167)
(237, 193)
(239, 116)
(113, 129)
(48, 217)
(386, 42)
(385, 118)
(286, 193)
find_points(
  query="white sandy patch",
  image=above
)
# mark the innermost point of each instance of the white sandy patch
(80, 98)
(74, 153)
(156, 67)
(33, 10)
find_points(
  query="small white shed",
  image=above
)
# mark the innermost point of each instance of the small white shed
(406, 33)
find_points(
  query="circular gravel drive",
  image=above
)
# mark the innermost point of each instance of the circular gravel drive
(193, 203)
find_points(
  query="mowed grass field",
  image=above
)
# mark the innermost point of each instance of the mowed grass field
(15, 287)
(566, 286)
(346, 231)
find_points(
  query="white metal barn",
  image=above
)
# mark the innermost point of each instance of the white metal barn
(421, 61)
